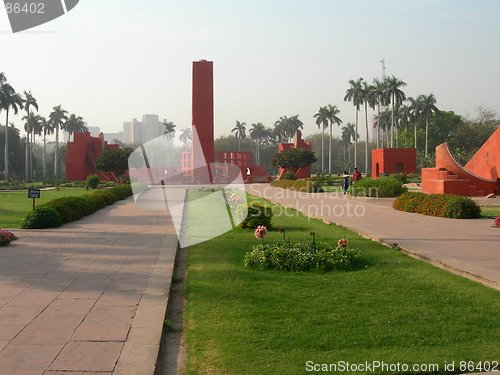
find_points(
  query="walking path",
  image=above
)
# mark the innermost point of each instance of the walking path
(89, 297)
(470, 248)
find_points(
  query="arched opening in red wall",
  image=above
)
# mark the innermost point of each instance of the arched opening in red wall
(399, 168)
(377, 170)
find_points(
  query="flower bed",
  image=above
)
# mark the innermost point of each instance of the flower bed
(442, 205)
(378, 187)
(6, 237)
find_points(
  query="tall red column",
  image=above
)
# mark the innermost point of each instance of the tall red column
(203, 109)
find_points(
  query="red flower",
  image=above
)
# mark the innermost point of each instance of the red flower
(282, 229)
(260, 232)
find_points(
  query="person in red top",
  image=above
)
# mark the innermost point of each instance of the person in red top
(356, 176)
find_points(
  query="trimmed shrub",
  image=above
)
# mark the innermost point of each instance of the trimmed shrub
(92, 181)
(401, 177)
(288, 175)
(297, 257)
(42, 217)
(299, 185)
(254, 214)
(442, 205)
(379, 187)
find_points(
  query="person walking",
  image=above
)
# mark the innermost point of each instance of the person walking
(345, 182)
(356, 176)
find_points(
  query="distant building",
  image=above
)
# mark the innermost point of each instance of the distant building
(114, 137)
(93, 130)
(137, 132)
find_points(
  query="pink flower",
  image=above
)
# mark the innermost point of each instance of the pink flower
(497, 222)
(260, 232)
(342, 243)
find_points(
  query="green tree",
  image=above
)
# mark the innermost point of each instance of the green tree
(29, 101)
(169, 129)
(9, 99)
(294, 159)
(239, 131)
(73, 125)
(355, 95)
(427, 107)
(322, 120)
(377, 96)
(257, 133)
(113, 160)
(333, 111)
(57, 119)
(47, 129)
(348, 134)
(16, 150)
(185, 137)
(397, 96)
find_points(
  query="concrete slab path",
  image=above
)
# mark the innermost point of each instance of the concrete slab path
(89, 297)
(470, 248)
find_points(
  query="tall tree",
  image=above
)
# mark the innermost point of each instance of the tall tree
(333, 111)
(185, 137)
(322, 120)
(239, 131)
(293, 125)
(170, 134)
(57, 119)
(9, 99)
(29, 101)
(47, 130)
(355, 95)
(397, 96)
(74, 124)
(348, 134)
(257, 132)
(377, 95)
(415, 113)
(428, 107)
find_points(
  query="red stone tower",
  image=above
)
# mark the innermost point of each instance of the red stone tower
(203, 109)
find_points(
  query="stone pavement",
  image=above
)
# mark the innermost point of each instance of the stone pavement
(470, 248)
(89, 297)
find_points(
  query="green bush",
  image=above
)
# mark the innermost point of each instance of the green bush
(288, 175)
(92, 181)
(42, 217)
(379, 187)
(401, 177)
(254, 214)
(297, 257)
(68, 208)
(299, 185)
(442, 205)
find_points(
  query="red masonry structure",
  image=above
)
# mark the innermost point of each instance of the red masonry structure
(81, 154)
(393, 160)
(298, 142)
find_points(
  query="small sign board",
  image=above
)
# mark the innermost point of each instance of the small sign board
(33, 193)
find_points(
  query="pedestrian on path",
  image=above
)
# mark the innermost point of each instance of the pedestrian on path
(356, 176)
(345, 182)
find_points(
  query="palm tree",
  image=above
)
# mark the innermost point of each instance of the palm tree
(377, 96)
(47, 130)
(57, 119)
(397, 96)
(29, 101)
(239, 132)
(293, 125)
(36, 129)
(257, 132)
(185, 136)
(332, 111)
(169, 129)
(74, 124)
(322, 121)
(348, 133)
(428, 106)
(414, 112)
(369, 99)
(9, 99)
(355, 95)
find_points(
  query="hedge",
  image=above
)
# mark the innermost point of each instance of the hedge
(69, 209)
(300, 185)
(442, 205)
(379, 187)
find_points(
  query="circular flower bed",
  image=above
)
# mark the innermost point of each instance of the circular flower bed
(497, 222)
(6, 237)
(289, 256)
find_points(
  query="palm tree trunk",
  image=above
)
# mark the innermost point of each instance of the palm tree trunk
(415, 136)
(356, 141)
(6, 162)
(43, 155)
(378, 126)
(392, 121)
(26, 153)
(330, 151)
(367, 136)
(426, 133)
(32, 149)
(322, 150)
(56, 152)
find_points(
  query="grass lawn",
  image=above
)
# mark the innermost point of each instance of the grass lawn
(15, 205)
(490, 211)
(332, 189)
(393, 309)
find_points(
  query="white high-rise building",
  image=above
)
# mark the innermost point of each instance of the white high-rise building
(132, 132)
(151, 127)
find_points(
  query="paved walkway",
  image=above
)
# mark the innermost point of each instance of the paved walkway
(470, 248)
(89, 297)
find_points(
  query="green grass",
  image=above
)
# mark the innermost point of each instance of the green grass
(15, 205)
(393, 309)
(332, 189)
(490, 211)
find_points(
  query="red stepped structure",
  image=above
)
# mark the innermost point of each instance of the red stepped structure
(479, 177)
(81, 154)
(298, 142)
(393, 160)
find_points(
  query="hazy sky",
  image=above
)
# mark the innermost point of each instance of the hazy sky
(112, 60)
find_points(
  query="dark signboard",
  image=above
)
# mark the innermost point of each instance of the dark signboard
(33, 193)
